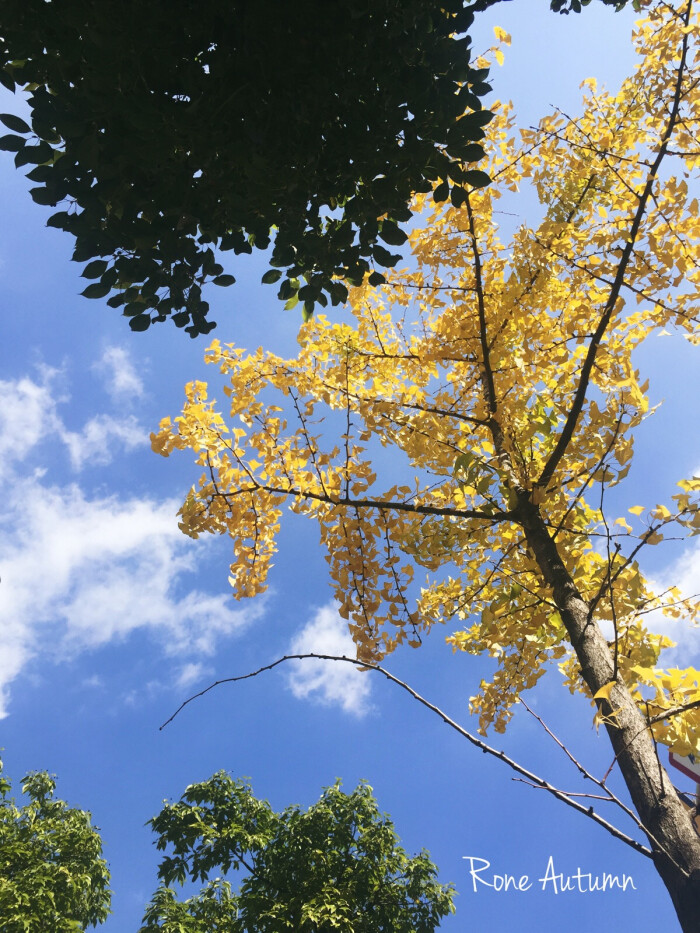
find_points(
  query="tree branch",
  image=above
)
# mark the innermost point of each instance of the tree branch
(577, 405)
(487, 749)
(586, 774)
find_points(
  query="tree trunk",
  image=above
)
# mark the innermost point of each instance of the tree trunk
(671, 834)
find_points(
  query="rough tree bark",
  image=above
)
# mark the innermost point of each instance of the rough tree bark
(671, 834)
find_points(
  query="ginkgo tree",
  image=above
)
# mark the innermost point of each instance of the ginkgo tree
(499, 370)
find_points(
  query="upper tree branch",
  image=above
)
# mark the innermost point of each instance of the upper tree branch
(580, 396)
(489, 385)
(346, 500)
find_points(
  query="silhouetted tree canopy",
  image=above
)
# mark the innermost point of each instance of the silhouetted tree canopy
(169, 132)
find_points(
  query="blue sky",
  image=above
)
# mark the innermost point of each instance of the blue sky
(110, 617)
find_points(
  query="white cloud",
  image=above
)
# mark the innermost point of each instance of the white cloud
(27, 414)
(330, 682)
(191, 673)
(685, 574)
(78, 571)
(94, 680)
(119, 375)
(92, 447)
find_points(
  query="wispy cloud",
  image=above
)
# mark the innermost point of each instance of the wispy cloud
(93, 444)
(684, 572)
(329, 682)
(191, 672)
(78, 571)
(30, 416)
(119, 374)
(28, 413)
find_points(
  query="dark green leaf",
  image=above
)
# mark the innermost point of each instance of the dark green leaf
(271, 276)
(476, 178)
(384, 257)
(482, 118)
(458, 195)
(10, 143)
(308, 292)
(376, 278)
(23, 157)
(224, 280)
(469, 100)
(132, 308)
(229, 240)
(93, 270)
(84, 249)
(442, 192)
(338, 293)
(110, 277)
(42, 173)
(392, 234)
(44, 196)
(96, 290)
(469, 129)
(42, 152)
(58, 219)
(464, 18)
(140, 323)
(472, 153)
(7, 81)
(283, 256)
(14, 123)
(287, 289)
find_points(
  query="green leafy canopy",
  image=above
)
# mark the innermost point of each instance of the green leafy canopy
(334, 867)
(52, 874)
(172, 132)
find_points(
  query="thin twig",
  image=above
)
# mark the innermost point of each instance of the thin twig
(569, 793)
(613, 798)
(487, 749)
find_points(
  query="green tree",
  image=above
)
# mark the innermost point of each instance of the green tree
(334, 867)
(173, 130)
(52, 874)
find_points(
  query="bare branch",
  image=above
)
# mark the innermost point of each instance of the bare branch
(487, 749)
(613, 798)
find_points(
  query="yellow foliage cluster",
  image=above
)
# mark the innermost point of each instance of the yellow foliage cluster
(497, 369)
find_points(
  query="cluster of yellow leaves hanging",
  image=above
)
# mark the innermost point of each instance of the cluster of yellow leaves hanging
(472, 367)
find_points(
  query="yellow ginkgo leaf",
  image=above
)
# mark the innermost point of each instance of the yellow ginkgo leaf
(604, 692)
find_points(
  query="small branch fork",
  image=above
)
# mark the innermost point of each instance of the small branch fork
(610, 797)
(528, 776)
